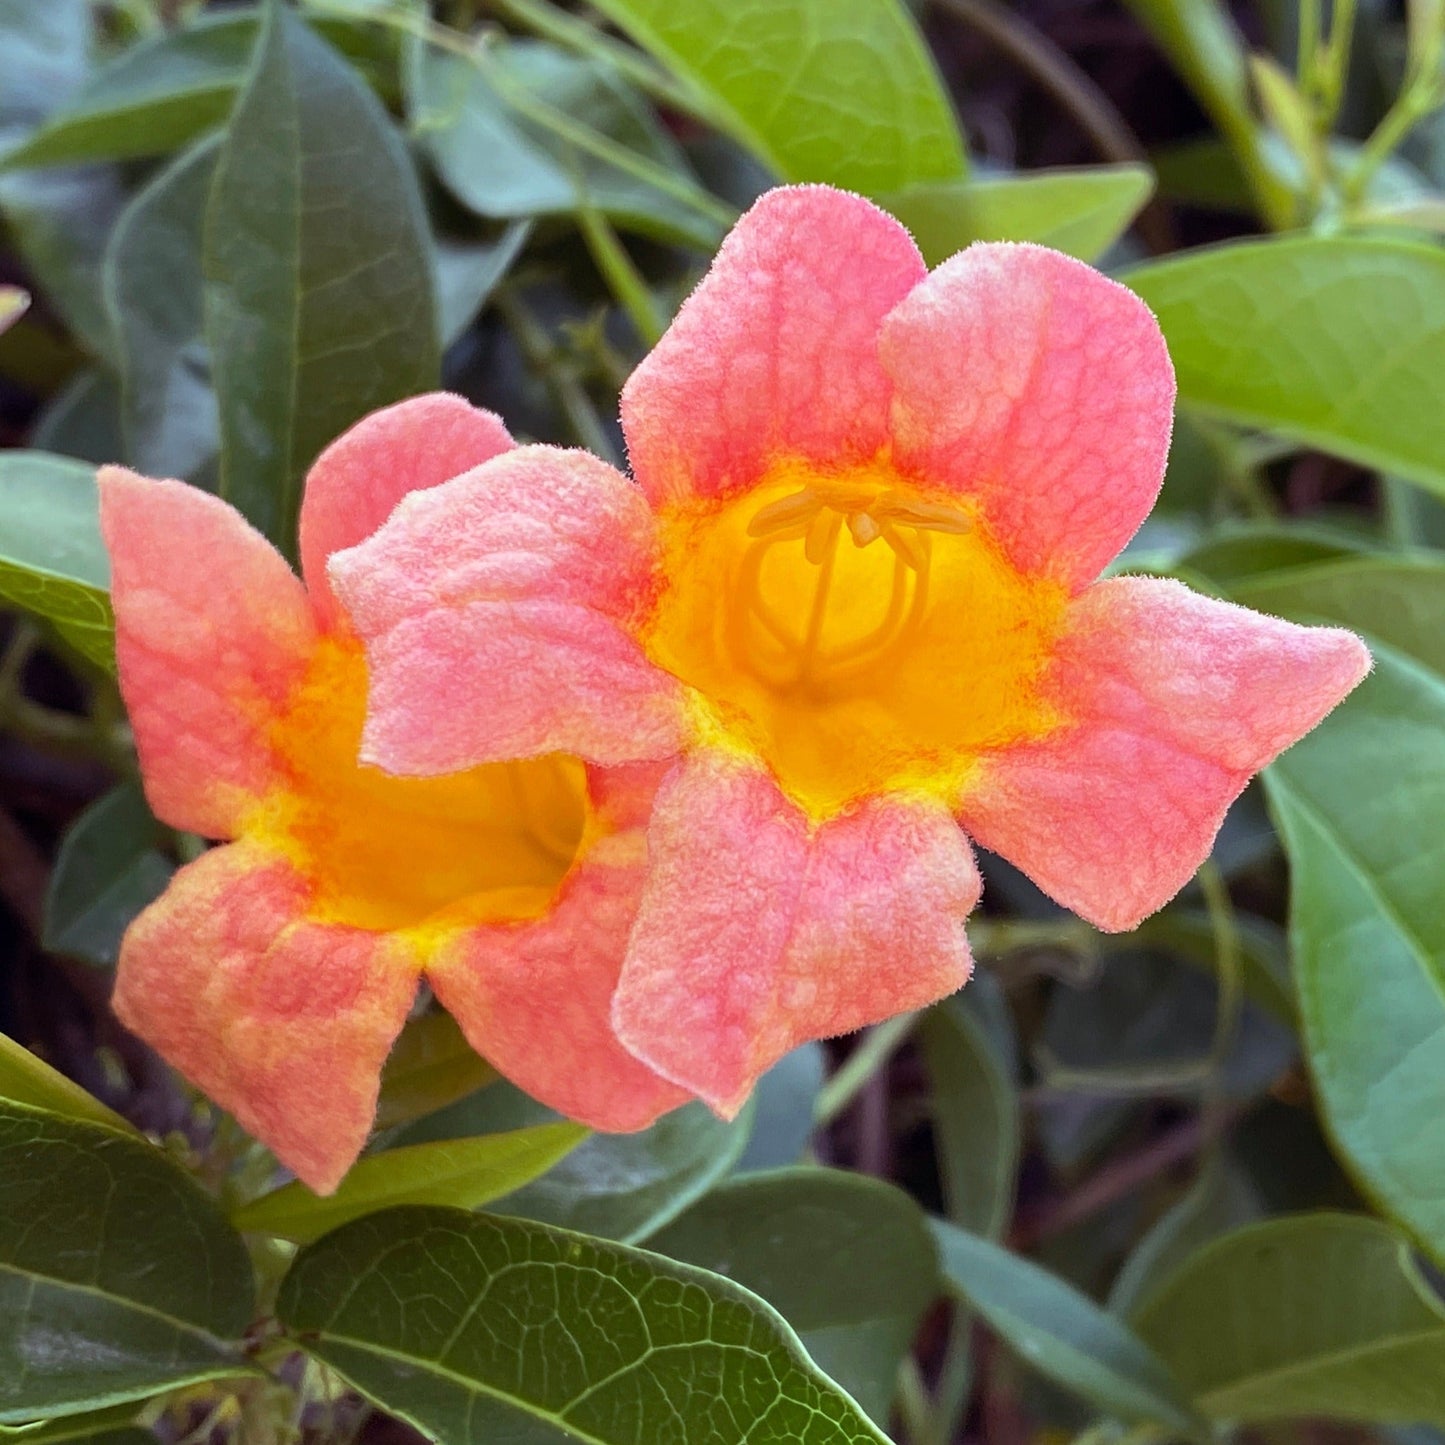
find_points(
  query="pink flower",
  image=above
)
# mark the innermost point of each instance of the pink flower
(276, 971)
(852, 599)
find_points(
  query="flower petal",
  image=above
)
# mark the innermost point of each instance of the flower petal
(283, 1021)
(776, 351)
(1032, 382)
(1180, 699)
(212, 631)
(358, 480)
(755, 936)
(496, 611)
(534, 998)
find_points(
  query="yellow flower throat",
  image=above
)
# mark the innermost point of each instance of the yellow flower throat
(487, 845)
(857, 632)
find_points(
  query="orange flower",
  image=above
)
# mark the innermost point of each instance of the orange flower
(853, 599)
(276, 971)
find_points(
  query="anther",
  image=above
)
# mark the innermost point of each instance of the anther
(863, 528)
(785, 512)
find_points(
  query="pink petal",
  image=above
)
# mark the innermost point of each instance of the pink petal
(776, 350)
(1180, 700)
(282, 1021)
(497, 614)
(755, 936)
(212, 632)
(533, 998)
(363, 474)
(1034, 383)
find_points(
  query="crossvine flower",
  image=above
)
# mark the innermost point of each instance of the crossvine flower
(852, 598)
(276, 971)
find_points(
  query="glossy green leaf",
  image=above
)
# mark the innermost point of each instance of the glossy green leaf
(1357, 803)
(975, 1118)
(154, 291)
(430, 1066)
(527, 130)
(1081, 211)
(319, 293)
(617, 1186)
(118, 1276)
(839, 91)
(472, 1328)
(1313, 1315)
(1063, 1334)
(52, 560)
(1335, 341)
(846, 1260)
(107, 870)
(154, 97)
(463, 1173)
(24, 1079)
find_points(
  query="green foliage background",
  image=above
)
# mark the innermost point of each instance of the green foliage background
(1165, 1187)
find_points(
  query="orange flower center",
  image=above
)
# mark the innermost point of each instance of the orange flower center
(385, 853)
(857, 632)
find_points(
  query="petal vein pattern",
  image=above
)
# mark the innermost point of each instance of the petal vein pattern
(853, 598)
(276, 971)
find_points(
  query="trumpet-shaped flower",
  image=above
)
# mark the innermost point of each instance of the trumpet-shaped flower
(853, 598)
(276, 971)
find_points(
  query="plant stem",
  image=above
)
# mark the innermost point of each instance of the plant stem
(878, 1045)
(622, 277)
(569, 393)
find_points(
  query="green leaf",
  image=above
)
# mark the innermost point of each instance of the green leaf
(464, 1173)
(618, 1186)
(846, 1260)
(82, 420)
(975, 1118)
(107, 870)
(1219, 1200)
(783, 1108)
(472, 1327)
(56, 220)
(1357, 803)
(118, 1276)
(527, 130)
(153, 98)
(1082, 211)
(97, 1427)
(24, 1079)
(1319, 1315)
(1334, 341)
(154, 291)
(839, 91)
(1060, 1332)
(467, 272)
(431, 1066)
(319, 293)
(52, 560)
(173, 87)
